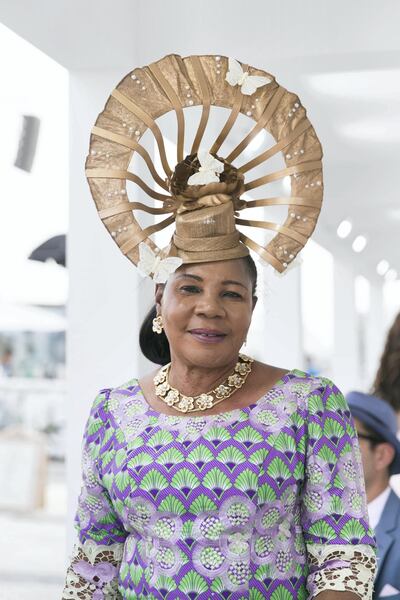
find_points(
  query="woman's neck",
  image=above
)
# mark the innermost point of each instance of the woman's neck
(192, 380)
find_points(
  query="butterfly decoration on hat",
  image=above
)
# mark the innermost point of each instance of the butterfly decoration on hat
(248, 83)
(151, 264)
(214, 187)
(208, 171)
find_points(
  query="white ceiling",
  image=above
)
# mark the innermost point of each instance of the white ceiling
(342, 58)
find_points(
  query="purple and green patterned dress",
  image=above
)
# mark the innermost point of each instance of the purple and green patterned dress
(261, 502)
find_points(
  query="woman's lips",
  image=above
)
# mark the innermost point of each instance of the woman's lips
(208, 336)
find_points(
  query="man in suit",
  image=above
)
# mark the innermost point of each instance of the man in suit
(376, 425)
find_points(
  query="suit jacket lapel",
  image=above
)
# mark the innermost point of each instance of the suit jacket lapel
(385, 528)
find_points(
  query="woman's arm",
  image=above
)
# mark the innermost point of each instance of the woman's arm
(96, 559)
(93, 572)
(340, 546)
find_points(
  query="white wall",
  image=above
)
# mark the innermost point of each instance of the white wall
(349, 372)
(275, 332)
(375, 334)
(345, 368)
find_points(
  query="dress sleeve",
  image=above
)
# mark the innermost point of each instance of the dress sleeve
(96, 558)
(340, 545)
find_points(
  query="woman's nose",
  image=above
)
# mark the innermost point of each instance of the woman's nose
(210, 306)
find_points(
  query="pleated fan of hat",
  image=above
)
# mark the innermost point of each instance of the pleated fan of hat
(172, 84)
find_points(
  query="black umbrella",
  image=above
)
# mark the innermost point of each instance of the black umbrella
(52, 248)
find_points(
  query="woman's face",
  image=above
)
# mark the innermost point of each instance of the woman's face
(206, 310)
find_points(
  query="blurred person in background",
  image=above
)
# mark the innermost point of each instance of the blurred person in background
(375, 422)
(6, 363)
(387, 381)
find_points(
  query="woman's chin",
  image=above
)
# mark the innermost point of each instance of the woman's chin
(210, 356)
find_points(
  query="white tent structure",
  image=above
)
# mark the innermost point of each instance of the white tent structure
(14, 317)
(32, 282)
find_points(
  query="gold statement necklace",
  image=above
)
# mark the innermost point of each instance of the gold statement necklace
(173, 397)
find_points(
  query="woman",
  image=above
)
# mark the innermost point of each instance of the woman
(216, 476)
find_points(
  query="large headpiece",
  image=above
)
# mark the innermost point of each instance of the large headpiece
(203, 193)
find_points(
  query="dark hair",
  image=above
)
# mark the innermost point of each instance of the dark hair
(155, 346)
(387, 381)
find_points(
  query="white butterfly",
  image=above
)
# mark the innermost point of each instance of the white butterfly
(151, 263)
(248, 83)
(208, 171)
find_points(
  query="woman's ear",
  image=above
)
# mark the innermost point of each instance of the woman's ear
(255, 300)
(158, 296)
(384, 455)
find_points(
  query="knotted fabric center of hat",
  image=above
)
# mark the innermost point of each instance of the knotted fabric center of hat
(205, 214)
(192, 197)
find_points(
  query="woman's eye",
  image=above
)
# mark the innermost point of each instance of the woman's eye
(190, 289)
(232, 294)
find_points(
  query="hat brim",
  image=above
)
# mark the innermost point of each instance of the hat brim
(178, 84)
(383, 433)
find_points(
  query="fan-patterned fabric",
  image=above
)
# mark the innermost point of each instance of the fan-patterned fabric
(223, 506)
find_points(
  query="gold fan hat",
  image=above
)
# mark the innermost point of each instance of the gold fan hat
(206, 217)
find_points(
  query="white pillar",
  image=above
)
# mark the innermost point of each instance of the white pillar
(345, 366)
(275, 332)
(375, 334)
(104, 311)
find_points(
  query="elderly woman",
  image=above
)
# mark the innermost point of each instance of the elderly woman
(215, 475)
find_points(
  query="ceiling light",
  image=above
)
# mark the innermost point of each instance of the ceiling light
(344, 229)
(365, 85)
(359, 243)
(394, 213)
(382, 267)
(391, 275)
(384, 129)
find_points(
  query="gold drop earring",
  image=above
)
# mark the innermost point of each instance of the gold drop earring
(157, 324)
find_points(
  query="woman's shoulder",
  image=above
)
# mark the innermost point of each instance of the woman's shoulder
(316, 395)
(109, 398)
(314, 381)
(313, 385)
(308, 382)
(129, 386)
(308, 392)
